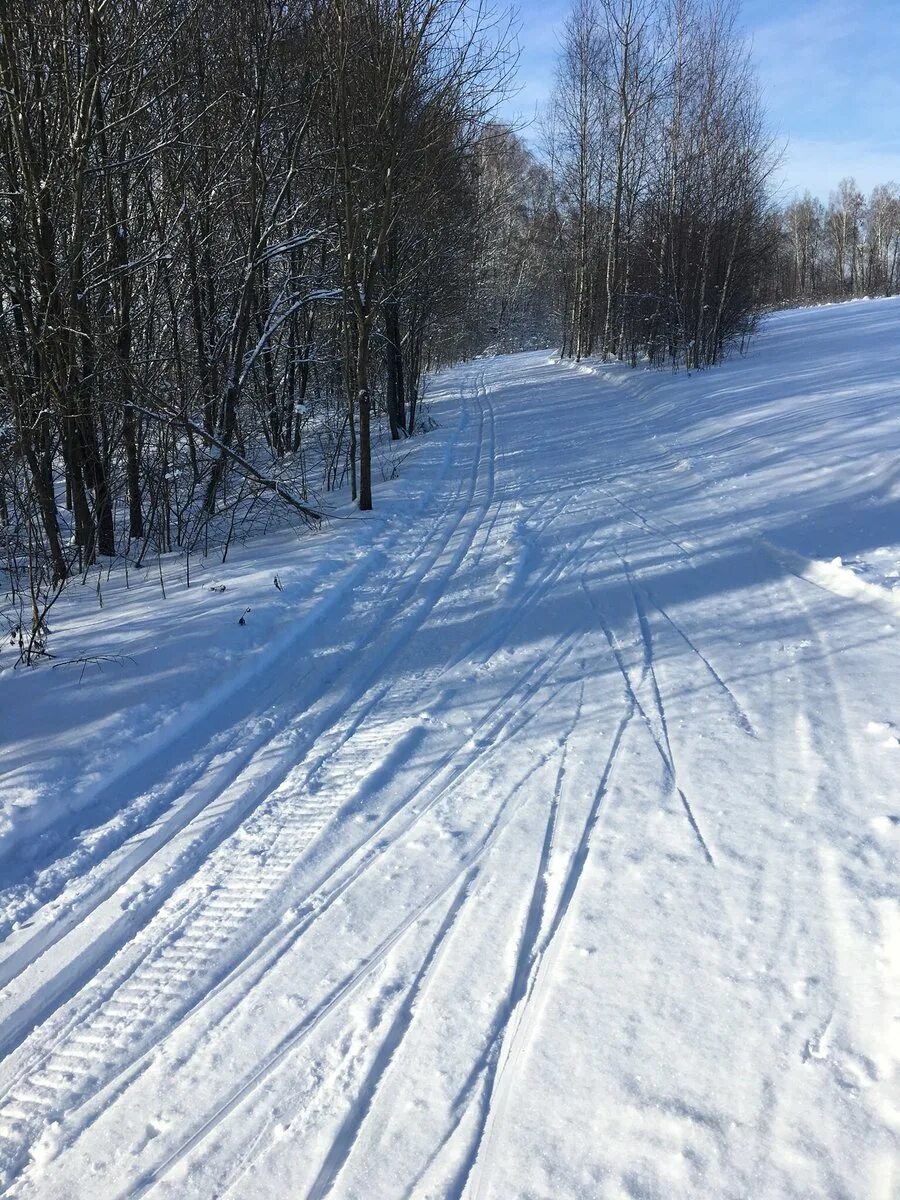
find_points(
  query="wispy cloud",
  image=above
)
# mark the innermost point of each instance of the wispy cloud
(829, 80)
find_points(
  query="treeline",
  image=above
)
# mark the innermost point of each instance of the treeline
(230, 236)
(849, 247)
(658, 150)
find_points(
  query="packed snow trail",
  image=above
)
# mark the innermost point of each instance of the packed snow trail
(539, 838)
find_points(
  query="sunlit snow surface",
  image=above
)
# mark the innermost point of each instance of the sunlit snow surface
(537, 839)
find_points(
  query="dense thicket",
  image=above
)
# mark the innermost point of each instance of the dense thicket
(661, 160)
(849, 247)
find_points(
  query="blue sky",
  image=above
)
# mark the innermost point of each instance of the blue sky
(830, 75)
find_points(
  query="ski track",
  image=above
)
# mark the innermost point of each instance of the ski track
(344, 1141)
(498, 1072)
(408, 575)
(663, 750)
(227, 912)
(77, 863)
(347, 986)
(532, 950)
(105, 1041)
(410, 579)
(738, 711)
(508, 711)
(532, 704)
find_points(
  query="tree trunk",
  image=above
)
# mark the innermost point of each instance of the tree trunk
(365, 411)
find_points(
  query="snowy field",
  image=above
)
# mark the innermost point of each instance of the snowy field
(537, 838)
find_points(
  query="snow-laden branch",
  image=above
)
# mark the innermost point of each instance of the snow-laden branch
(272, 327)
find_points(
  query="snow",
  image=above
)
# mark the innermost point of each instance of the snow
(536, 838)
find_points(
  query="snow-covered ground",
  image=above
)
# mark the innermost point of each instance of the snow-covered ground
(537, 837)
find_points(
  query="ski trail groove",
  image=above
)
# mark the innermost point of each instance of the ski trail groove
(666, 760)
(147, 846)
(738, 711)
(81, 860)
(215, 928)
(345, 1139)
(648, 527)
(533, 950)
(511, 1049)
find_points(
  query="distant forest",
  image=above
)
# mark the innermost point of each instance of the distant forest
(835, 251)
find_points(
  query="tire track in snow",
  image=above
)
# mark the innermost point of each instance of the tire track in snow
(416, 576)
(372, 1085)
(257, 963)
(36, 1100)
(165, 985)
(484, 743)
(141, 847)
(182, 959)
(344, 989)
(499, 823)
(91, 1053)
(367, 853)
